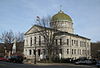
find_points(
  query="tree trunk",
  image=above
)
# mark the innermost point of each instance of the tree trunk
(50, 56)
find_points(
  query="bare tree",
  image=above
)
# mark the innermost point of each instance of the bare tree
(19, 37)
(50, 36)
(7, 37)
(95, 50)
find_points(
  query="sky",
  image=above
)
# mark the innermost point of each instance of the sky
(20, 15)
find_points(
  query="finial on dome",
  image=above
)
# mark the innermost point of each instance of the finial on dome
(61, 9)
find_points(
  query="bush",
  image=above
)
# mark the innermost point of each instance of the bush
(65, 60)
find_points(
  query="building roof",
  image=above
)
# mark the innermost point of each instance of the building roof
(60, 32)
(61, 16)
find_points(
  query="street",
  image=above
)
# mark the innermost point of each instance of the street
(15, 65)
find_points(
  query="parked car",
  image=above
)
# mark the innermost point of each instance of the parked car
(98, 64)
(83, 62)
(88, 62)
(80, 59)
(4, 59)
(16, 59)
(80, 62)
(93, 61)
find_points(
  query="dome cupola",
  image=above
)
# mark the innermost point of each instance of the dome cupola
(61, 16)
(62, 22)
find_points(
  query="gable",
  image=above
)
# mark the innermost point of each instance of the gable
(33, 29)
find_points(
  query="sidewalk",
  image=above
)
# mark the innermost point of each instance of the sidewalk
(67, 64)
(47, 63)
(52, 64)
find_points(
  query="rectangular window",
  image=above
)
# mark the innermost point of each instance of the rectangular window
(80, 43)
(60, 41)
(39, 40)
(67, 51)
(72, 42)
(31, 41)
(56, 42)
(30, 52)
(34, 40)
(39, 51)
(77, 43)
(34, 51)
(72, 51)
(83, 52)
(67, 41)
(80, 52)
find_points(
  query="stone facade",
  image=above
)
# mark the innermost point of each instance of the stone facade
(75, 46)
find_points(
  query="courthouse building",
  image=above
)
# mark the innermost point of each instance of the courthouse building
(75, 45)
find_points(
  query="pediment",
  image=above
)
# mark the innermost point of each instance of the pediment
(33, 29)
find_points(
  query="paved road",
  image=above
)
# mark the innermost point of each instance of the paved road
(14, 65)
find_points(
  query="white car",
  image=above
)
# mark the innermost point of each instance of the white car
(80, 62)
(83, 62)
(88, 62)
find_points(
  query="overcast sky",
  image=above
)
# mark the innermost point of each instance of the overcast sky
(19, 15)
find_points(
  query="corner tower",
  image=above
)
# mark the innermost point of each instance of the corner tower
(62, 22)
